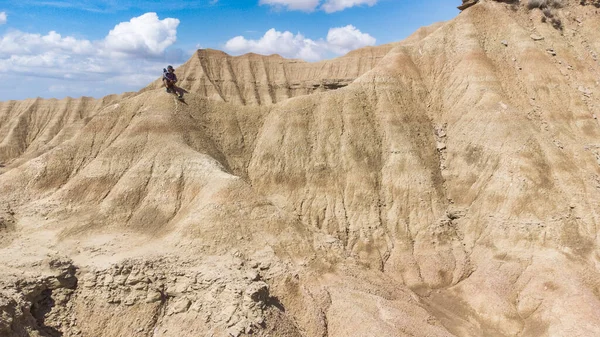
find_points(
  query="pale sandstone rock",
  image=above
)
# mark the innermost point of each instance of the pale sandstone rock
(153, 296)
(536, 37)
(181, 305)
(330, 179)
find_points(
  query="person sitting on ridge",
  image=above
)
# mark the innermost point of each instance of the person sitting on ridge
(169, 79)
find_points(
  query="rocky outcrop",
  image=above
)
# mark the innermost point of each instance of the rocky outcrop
(467, 3)
(231, 298)
(38, 305)
(222, 297)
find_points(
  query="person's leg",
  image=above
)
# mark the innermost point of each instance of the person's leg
(168, 87)
(178, 90)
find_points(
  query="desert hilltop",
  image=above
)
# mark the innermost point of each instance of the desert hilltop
(444, 185)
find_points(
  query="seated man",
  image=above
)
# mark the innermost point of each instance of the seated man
(169, 79)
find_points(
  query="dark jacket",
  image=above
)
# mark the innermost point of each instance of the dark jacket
(170, 76)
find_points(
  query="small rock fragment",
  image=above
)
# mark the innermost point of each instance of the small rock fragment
(140, 286)
(330, 239)
(264, 265)
(120, 279)
(136, 278)
(130, 300)
(252, 275)
(259, 320)
(108, 280)
(153, 296)
(236, 330)
(258, 291)
(89, 280)
(466, 4)
(585, 91)
(114, 300)
(228, 312)
(196, 306)
(536, 37)
(180, 306)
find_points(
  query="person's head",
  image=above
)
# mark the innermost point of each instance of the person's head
(170, 69)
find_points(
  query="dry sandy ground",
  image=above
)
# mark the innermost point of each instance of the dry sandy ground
(445, 185)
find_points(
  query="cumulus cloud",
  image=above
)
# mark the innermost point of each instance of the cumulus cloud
(20, 43)
(145, 35)
(134, 49)
(344, 39)
(329, 6)
(339, 41)
(2, 18)
(274, 42)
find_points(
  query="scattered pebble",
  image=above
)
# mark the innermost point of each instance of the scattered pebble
(536, 37)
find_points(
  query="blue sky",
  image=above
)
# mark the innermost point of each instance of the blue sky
(57, 48)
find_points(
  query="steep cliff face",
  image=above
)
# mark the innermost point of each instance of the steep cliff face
(254, 79)
(449, 189)
(31, 127)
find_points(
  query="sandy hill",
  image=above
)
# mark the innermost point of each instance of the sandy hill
(445, 185)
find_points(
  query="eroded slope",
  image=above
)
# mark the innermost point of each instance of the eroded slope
(449, 190)
(253, 79)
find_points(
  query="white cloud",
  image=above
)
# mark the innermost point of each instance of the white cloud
(145, 35)
(131, 52)
(339, 41)
(331, 6)
(274, 42)
(2, 18)
(302, 5)
(344, 39)
(20, 43)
